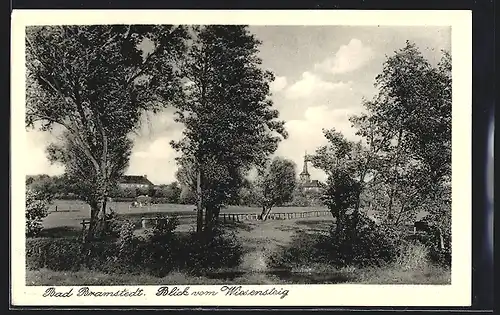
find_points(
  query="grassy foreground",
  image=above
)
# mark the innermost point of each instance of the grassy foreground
(260, 240)
(368, 276)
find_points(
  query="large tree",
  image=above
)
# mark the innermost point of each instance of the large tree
(340, 159)
(276, 184)
(229, 120)
(408, 128)
(95, 82)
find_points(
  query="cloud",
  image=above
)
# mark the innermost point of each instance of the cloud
(310, 84)
(306, 134)
(278, 84)
(35, 159)
(155, 158)
(348, 58)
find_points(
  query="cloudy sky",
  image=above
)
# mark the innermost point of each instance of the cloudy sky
(322, 74)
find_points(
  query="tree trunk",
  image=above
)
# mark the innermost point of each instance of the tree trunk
(199, 203)
(211, 215)
(103, 213)
(104, 205)
(390, 215)
(208, 216)
(339, 225)
(441, 239)
(215, 214)
(94, 215)
(265, 213)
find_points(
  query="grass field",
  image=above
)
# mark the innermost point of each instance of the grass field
(70, 213)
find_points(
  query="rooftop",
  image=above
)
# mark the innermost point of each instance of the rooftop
(311, 183)
(135, 179)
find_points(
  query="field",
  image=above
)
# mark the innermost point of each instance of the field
(71, 213)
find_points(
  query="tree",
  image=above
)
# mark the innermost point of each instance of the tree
(407, 127)
(339, 159)
(95, 82)
(229, 121)
(247, 195)
(37, 207)
(171, 192)
(300, 198)
(276, 184)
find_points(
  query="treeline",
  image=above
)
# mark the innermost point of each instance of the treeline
(57, 188)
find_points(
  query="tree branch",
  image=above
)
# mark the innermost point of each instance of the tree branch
(142, 66)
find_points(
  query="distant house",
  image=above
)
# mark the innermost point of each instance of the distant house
(134, 181)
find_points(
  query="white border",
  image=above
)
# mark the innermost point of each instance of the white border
(456, 294)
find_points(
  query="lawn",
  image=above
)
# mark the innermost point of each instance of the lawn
(70, 214)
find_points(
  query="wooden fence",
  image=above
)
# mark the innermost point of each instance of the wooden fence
(235, 217)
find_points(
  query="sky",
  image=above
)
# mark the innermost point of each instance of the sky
(322, 74)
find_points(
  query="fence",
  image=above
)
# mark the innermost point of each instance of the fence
(236, 217)
(240, 217)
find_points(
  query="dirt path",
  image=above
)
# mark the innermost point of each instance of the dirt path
(260, 240)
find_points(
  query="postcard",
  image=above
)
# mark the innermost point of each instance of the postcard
(241, 158)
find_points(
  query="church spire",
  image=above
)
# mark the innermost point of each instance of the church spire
(305, 176)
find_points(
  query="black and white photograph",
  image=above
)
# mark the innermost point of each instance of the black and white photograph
(255, 159)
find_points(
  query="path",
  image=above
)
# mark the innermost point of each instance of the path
(261, 240)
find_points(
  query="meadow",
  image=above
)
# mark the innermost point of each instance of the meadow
(70, 213)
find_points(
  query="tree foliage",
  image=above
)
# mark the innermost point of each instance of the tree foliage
(401, 166)
(340, 160)
(94, 82)
(407, 127)
(229, 121)
(276, 184)
(37, 207)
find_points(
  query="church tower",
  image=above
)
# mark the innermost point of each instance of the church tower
(305, 177)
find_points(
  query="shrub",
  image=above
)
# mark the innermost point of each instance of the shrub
(37, 208)
(158, 253)
(109, 227)
(59, 254)
(362, 243)
(304, 250)
(412, 256)
(160, 247)
(212, 249)
(125, 240)
(103, 256)
(432, 241)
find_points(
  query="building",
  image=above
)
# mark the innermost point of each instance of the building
(308, 185)
(133, 181)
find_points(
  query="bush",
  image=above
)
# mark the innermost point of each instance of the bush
(103, 256)
(359, 244)
(109, 227)
(126, 240)
(362, 243)
(166, 251)
(160, 247)
(214, 249)
(304, 250)
(59, 254)
(37, 208)
(412, 256)
(158, 253)
(432, 241)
